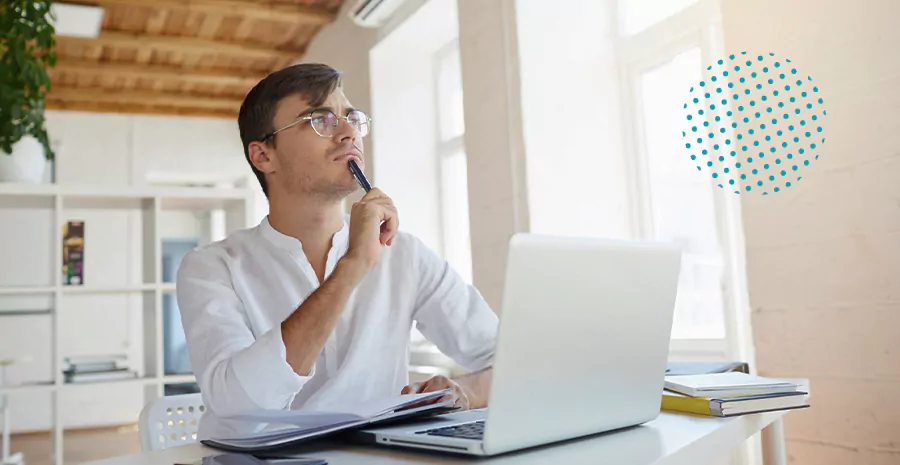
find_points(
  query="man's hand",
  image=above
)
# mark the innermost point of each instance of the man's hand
(459, 396)
(373, 224)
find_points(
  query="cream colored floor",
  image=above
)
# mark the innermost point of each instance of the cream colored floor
(79, 445)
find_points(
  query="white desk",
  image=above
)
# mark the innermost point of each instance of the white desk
(671, 439)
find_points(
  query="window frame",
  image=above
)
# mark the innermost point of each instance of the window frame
(698, 25)
(445, 148)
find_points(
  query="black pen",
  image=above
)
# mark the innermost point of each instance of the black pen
(358, 174)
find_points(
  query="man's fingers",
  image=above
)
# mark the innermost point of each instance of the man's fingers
(391, 224)
(387, 215)
(374, 193)
(413, 388)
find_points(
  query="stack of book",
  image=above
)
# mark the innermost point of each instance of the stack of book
(91, 369)
(732, 394)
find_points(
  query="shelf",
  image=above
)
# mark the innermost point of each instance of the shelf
(140, 218)
(33, 387)
(147, 380)
(167, 287)
(44, 312)
(30, 190)
(120, 192)
(179, 379)
(87, 289)
(117, 382)
(28, 290)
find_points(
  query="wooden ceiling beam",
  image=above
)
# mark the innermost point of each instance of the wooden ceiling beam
(157, 72)
(255, 9)
(162, 99)
(180, 44)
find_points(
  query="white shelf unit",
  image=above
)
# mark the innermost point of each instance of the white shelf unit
(236, 205)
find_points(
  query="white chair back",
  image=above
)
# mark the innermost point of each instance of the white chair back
(170, 421)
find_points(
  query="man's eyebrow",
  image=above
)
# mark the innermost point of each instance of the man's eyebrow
(313, 109)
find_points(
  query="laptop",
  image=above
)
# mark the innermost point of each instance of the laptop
(582, 348)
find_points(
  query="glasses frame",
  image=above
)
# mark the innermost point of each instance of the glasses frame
(309, 117)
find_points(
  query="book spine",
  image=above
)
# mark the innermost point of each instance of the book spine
(688, 405)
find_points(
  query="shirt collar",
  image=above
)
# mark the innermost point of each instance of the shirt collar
(293, 244)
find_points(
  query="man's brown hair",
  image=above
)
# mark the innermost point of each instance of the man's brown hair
(313, 81)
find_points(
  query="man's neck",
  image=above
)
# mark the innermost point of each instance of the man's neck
(311, 221)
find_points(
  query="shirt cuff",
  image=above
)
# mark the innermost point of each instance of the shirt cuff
(263, 372)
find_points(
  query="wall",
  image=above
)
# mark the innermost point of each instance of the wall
(105, 150)
(823, 259)
(498, 198)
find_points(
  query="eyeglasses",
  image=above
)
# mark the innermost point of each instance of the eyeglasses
(325, 123)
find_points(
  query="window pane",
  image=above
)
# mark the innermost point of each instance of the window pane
(682, 205)
(455, 213)
(637, 15)
(450, 94)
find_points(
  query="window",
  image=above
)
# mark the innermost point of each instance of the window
(681, 203)
(420, 158)
(638, 15)
(604, 157)
(661, 60)
(456, 239)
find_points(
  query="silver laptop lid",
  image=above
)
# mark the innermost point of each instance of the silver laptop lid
(583, 341)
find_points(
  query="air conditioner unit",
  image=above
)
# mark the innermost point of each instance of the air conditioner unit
(373, 13)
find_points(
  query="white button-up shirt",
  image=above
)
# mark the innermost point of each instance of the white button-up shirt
(234, 294)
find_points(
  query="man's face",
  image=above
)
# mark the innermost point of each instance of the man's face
(302, 162)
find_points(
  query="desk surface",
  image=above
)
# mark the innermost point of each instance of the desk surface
(671, 439)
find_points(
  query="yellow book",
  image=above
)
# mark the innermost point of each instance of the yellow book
(727, 407)
(675, 402)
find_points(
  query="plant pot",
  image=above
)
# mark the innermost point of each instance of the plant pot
(26, 164)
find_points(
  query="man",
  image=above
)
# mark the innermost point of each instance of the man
(313, 308)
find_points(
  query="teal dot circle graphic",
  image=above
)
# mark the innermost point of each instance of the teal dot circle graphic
(731, 111)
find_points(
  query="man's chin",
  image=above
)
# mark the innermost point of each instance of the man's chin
(343, 189)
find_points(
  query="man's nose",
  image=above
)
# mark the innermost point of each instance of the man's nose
(346, 132)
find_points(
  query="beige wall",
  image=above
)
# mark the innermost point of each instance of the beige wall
(823, 258)
(498, 199)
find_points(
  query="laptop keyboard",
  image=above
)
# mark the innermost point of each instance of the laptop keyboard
(473, 430)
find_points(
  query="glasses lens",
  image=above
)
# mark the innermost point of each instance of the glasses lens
(359, 120)
(324, 122)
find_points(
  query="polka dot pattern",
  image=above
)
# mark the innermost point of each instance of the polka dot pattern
(758, 109)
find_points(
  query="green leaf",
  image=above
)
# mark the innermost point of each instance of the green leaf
(27, 51)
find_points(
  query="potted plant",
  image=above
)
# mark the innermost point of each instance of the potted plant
(27, 51)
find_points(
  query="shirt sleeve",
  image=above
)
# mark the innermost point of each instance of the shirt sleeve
(451, 313)
(236, 371)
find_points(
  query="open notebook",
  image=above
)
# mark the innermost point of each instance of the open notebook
(302, 425)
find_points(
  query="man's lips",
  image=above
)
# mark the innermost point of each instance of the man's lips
(347, 156)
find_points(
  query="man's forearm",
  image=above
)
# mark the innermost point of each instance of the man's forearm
(307, 329)
(477, 385)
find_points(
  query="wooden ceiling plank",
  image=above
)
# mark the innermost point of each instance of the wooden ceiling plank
(157, 21)
(249, 9)
(102, 107)
(210, 26)
(68, 94)
(240, 78)
(180, 45)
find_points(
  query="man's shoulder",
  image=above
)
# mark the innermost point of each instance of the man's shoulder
(410, 250)
(407, 242)
(222, 251)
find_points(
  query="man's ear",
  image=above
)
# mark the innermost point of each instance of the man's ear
(262, 157)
